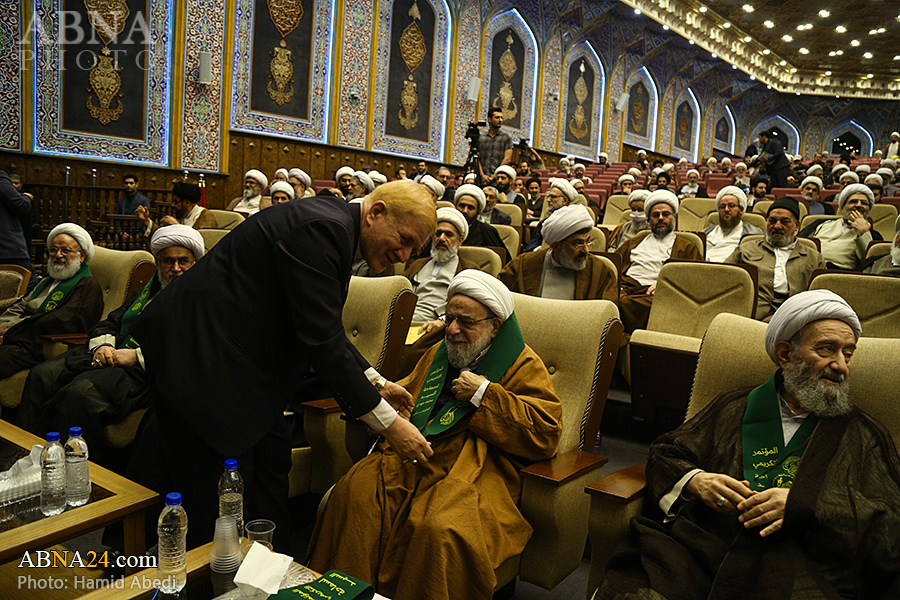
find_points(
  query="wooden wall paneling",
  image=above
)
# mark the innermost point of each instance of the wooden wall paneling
(302, 153)
(270, 158)
(286, 153)
(317, 163)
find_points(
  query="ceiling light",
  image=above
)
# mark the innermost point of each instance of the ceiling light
(824, 14)
(748, 8)
(665, 27)
(734, 66)
(798, 93)
(840, 52)
(782, 63)
(869, 76)
(691, 42)
(832, 53)
(770, 24)
(768, 87)
(787, 38)
(873, 31)
(747, 38)
(702, 9)
(897, 57)
(766, 51)
(881, 30)
(753, 77)
(867, 55)
(854, 43)
(714, 55)
(827, 73)
(637, 11)
(726, 25)
(804, 51)
(840, 29)
(793, 70)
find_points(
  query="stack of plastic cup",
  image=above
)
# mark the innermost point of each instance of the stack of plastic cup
(225, 556)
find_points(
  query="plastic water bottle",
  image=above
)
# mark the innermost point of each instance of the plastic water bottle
(78, 479)
(172, 531)
(231, 495)
(53, 476)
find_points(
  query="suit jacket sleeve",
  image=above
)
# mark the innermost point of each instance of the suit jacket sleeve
(314, 267)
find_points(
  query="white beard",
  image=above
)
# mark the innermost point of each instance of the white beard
(61, 272)
(442, 256)
(824, 399)
(462, 354)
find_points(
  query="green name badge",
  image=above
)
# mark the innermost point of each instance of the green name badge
(330, 586)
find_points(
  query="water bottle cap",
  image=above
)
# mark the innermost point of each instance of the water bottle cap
(173, 499)
(53, 436)
(231, 464)
(74, 431)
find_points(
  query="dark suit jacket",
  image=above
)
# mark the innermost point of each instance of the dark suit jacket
(13, 206)
(139, 200)
(777, 159)
(228, 368)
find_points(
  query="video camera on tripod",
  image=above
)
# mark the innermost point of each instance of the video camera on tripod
(473, 134)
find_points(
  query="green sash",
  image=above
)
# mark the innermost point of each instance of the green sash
(504, 351)
(332, 584)
(56, 297)
(767, 462)
(133, 311)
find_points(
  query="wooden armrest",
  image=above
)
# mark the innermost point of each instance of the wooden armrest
(621, 486)
(325, 405)
(564, 467)
(70, 339)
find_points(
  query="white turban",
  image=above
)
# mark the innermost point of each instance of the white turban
(658, 196)
(282, 186)
(301, 175)
(726, 161)
(668, 167)
(484, 288)
(565, 187)
(283, 171)
(364, 179)
(893, 133)
(578, 166)
(813, 169)
(564, 161)
(885, 172)
(570, 158)
(642, 152)
(433, 184)
(694, 171)
(506, 170)
(801, 309)
(565, 221)
(635, 171)
(657, 171)
(855, 188)
(377, 178)
(626, 177)
(638, 195)
(457, 219)
(849, 175)
(682, 161)
(863, 169)
(604, 155)
(469, 177)
(741, 164)
(76, 231)
(874, 177)
(730, 190)
(467, 189)
(712, 160)
(343, 171)
(812, 179)
(877, 153)
(179, 235)
(257, 176)
(838, 168)
(889, 162)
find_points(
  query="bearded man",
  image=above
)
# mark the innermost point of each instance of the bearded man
(434, 187)
(809, 191)
(470, 201)
(252, 201)
(759, 187)
(566, 270)
(342, 179)
(489, 214)
(693, 189)
(281, 192)
(185, 199)
(301, 182)
(360, 185)
(104, 381)
(889, 264)
(438, 529)
(781, 491)
(504, 176)
(69, 300)
(846, 240)
(626, 184)
(723, 238)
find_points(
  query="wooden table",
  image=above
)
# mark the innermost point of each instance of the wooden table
(126, 502)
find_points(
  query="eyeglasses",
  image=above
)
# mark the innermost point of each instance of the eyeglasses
(578, 244)
(661, 215)
(182, 261)
(729, 206)
(53, 251)
(464, 322)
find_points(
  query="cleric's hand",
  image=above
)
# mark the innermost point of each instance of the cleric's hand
(143, 214)
(466, 385)
(429, 326)
(764, 508)
(104, 357)
(711, 488)
(652, 289)
(859, 222)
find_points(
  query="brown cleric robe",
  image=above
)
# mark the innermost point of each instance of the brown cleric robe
(523, 275)
(634, 302)
(439, 530)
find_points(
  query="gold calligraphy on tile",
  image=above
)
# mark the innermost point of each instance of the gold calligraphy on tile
(286, 15)
(107, 17)
(505, 99)
(412, 50)
(637, 117)
(578, 124)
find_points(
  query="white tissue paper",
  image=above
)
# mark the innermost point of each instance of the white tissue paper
(262, 569)
(23, 480)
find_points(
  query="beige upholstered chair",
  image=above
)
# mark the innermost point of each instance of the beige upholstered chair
(616, 206)
(376, 317)
(692, 213)
(762, 206)
(807, 219)
(511, 239)
(883, 217)
(875, 298)
(695, 237)
(13, 283)
(580, 354)
(748, 217)
(486, 259)
(226, 219)
(211, 237)
(663, 356)
(513, 210)
(878, 248)
(617, 498)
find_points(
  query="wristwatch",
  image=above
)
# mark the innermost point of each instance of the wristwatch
(380, 383)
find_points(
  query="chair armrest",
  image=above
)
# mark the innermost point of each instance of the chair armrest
(621, 486)
(323, 405)
(69, 339)
(563, 468)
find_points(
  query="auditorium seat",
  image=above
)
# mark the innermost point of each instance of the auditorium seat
(226, 219)
(486, 259)
(692, 213)
(875, 298)
(13, 283)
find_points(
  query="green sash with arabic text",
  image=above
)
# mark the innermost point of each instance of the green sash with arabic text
(504, 351)
(62, 290)
(767, 462)
(330, 586)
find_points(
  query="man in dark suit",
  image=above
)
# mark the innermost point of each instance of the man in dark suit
(128, 202)
(222, 364)
(777, 165)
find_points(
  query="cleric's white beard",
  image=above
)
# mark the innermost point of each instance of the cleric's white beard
(442, 256)
(65, 271)
(805, 384)
(462, 354)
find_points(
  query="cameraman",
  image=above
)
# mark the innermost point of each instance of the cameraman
(495, 146)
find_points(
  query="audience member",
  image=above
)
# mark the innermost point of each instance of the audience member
(281, 192)
(14, 208)
(470, 201)
(636, 223)
(127, 203)
(495, 145)
(252, 201)
(724, 237)
(693, 189)
(185, 198)
(845, 240)
(301, 182)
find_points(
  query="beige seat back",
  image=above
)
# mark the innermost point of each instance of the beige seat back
(883, 218)
(211, 237)
(762, 206)
(13, 283)
(695, 237)
(690, 294)
(514, 212)
(486, 259)
(568, 336)
(226, 219)
(748, 217)
(808, 219)
(875, 298)
(445, 204)
(692, 213)
(511, 239)
(616, 206)
(368, 312)
(119, 273)
(879, 249)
